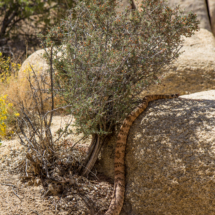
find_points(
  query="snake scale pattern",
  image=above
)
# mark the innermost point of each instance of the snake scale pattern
(119, 161)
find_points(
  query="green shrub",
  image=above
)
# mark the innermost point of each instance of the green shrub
(40, 14)
(107, 59)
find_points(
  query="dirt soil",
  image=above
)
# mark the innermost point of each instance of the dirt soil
(19, 197)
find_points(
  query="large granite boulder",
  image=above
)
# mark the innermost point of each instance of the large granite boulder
(37, 65)
(35, 62)
(170, 159)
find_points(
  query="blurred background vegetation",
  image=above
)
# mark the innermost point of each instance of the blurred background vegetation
(20, 23)
(22, 20)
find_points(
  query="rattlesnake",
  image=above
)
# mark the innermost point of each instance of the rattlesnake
(119, 161)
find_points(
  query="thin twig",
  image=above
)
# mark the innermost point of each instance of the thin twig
(84, 137)
(17, 195)
(35, 212)
(11, 185)
(88, 203)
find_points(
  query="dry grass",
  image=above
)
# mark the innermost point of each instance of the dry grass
(17, 88)
(19, 91)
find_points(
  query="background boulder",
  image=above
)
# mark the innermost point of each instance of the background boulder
(193, 71)
(35, 61)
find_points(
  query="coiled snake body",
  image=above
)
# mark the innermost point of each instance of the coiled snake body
(119, 161)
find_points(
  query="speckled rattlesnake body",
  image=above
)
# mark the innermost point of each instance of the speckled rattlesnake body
(119, 161)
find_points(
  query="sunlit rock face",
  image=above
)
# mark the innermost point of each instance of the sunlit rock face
(169, 159)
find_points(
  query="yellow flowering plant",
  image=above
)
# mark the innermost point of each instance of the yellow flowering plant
(3, 115)
(8, 80)
(7, 67)
(4, 108)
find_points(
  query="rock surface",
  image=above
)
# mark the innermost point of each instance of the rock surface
(38, 65)
(193, 71)
(122, 4)
(35, 61)
(170, 159)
